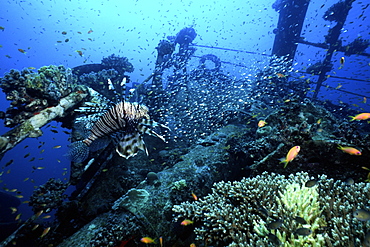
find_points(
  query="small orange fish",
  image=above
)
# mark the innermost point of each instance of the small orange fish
(21, 50)
(365, 100)
(32, 68)
(280, 75)
(14, 210)
(186, 222)
(90, 31)
(19, 196)
(293, 152)
(57, 146)
(161, 241)
(194, 196)
(361, 116)
(46, 230)
(261, 123)
(46, 217)
(350, 150)
(339, 86)
(79, 53)
(2, 28)
(147, 240)
(192, 245)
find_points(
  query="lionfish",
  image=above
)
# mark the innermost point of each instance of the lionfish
(124, 123)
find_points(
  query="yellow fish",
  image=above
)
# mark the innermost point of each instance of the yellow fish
(261, 123)
(293, 152)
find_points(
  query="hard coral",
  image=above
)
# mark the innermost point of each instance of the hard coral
(238, 213)
(121, 64)
(31, 92)
(48, 196)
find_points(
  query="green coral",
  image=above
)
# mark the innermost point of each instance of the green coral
(303, 202)
(179, 185)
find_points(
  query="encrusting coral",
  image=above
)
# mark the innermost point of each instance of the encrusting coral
(271, 210)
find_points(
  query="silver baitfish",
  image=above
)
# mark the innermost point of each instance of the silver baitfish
(126, 122)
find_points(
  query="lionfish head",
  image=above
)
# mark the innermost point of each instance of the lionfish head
(130, 144)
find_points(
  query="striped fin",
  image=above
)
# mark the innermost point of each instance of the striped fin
(130, 144)
(145, 127)
(92, 108)
(118, 90)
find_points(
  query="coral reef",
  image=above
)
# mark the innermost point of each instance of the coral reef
(316, 130)
(121, 64)
(48, 196)
(30, 92)
(244, 213)
(108, 230)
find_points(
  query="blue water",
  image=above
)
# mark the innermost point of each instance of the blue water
(133, 29)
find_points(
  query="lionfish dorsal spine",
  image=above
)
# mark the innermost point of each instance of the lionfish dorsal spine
(120, 93)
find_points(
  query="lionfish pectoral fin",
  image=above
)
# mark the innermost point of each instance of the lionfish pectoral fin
(130, 144)
(153, 133)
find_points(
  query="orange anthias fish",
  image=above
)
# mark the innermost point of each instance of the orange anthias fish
(261, 123)
(21, 50)
(147, 240)
(194, 196)
(90, 31)
(361, 116)
(186, 222)
(79, 53)
(293, 152)
(350, 150)
(280, 75)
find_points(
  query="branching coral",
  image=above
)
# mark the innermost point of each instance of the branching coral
(239, 213)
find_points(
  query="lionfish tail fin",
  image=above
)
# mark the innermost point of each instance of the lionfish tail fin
(130, 144)
(78, 151)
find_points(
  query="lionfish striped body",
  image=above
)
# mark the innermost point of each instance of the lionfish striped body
(125, 123)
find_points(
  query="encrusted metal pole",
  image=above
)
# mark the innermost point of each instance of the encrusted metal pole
(31, 127)
(290, 24)
(334, 44)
